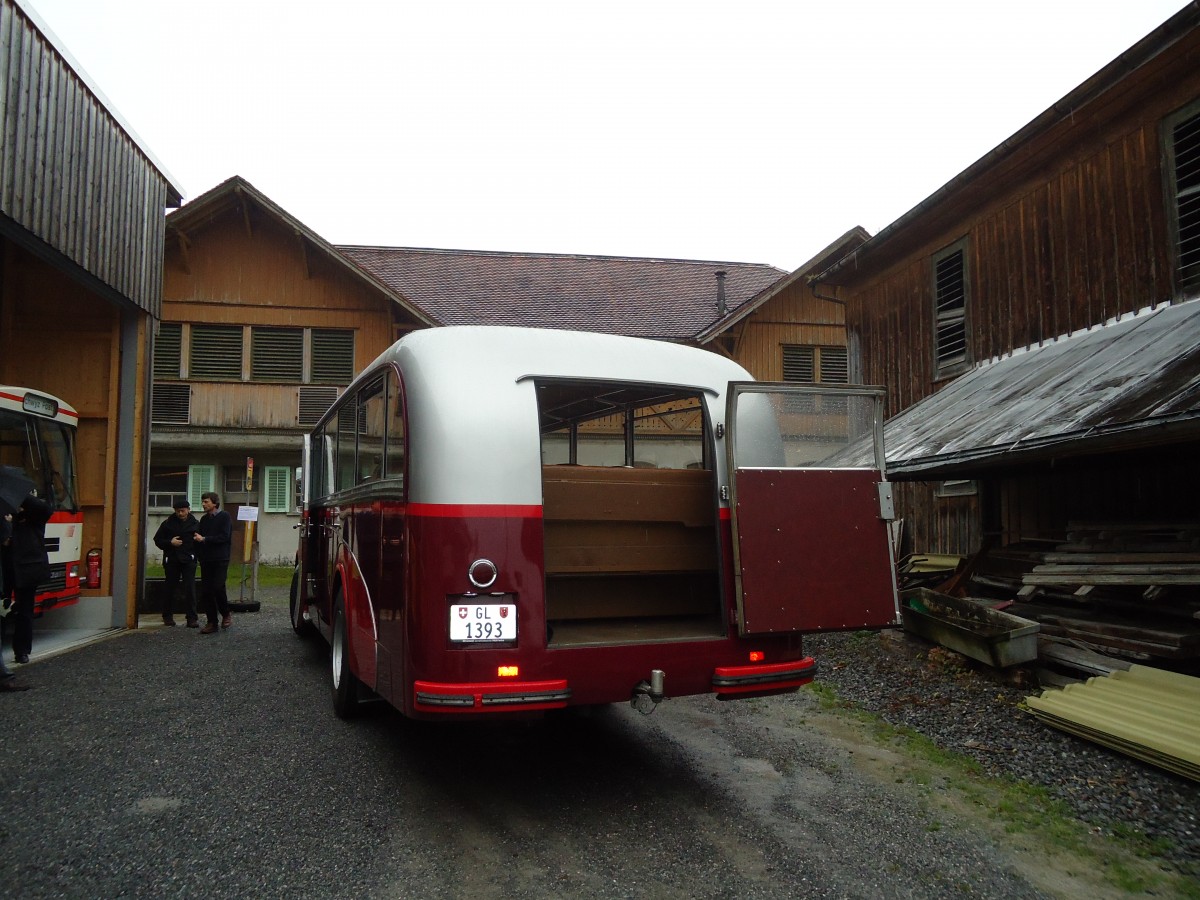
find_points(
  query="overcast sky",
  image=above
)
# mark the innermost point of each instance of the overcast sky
(743, 131)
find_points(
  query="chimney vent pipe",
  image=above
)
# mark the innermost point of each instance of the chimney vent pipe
(722, 307)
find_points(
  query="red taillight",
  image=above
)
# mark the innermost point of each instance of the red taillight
(757, 656)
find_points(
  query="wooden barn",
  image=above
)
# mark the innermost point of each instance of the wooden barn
(1036, 322)
(82, 218)
(263, 323)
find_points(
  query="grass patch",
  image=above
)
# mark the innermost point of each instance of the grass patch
(268, 576)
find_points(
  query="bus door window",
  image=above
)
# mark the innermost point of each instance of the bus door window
(395, 430)
(366, 538)
(390, 596)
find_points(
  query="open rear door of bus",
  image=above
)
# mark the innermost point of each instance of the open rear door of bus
(811, 508)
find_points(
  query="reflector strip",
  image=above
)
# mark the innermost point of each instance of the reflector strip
(775, 676)
(527, 695)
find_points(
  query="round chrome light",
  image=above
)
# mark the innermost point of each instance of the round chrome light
(482, 573)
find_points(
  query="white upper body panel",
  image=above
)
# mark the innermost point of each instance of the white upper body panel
(472, 411)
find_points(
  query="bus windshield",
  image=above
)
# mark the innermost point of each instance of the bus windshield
(44, 450)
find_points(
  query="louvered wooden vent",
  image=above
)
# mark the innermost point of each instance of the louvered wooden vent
(216, 353)
(950, 299)
(1186, 139)
(314, 402)
(168, 350)
(171, 404)
(798, 365)
(277, 354)
(332, 355)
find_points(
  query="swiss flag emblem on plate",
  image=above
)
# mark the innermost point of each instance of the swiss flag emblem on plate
(462, 612)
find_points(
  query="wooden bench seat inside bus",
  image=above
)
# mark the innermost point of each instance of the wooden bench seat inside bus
(629, 543)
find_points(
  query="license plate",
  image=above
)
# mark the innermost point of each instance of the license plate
(483, 622)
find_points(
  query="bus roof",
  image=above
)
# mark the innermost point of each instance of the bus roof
(38, 403)
(472, 405)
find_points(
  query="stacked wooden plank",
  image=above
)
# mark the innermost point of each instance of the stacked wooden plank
(1129, 590)
(1144, 555)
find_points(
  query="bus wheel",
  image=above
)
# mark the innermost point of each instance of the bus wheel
(300, 625)
(345, 685)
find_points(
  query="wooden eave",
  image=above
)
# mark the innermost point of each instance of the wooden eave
(719, 332)
(238, 195)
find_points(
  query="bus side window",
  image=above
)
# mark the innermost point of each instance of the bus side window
(346, 427)
(395, 428)
(370, 432)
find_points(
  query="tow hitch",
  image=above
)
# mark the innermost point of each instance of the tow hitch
(648, 694)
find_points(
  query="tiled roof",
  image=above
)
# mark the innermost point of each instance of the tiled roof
(669, 299)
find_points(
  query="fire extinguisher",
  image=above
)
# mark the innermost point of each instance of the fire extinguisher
(93, 568)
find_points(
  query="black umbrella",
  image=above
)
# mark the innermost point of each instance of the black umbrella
(14, 488)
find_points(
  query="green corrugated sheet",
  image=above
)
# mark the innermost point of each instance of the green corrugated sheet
(1146, 713)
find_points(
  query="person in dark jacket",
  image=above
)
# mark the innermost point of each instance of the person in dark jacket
(28, 564)
(175, 539)
(212, 549)
(8, 680)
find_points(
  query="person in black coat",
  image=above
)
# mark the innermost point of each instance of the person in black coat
(213, 541)
(8, 681)
(175, 539)
(28, 564)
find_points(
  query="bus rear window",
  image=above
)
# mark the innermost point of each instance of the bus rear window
(599, 423)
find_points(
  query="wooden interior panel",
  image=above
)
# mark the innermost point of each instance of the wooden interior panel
(608, 494)
(625, 547)
(627, 596)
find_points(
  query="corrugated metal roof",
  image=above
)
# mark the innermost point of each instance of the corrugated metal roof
(1150, 714)
(669, 299)
(1134, 379)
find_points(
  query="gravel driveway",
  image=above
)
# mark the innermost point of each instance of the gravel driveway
(162, 763)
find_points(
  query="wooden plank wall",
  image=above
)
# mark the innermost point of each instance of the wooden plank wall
(795, 316)
(265, 276)
(70, 175)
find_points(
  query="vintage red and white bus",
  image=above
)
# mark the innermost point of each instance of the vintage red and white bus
(37, 436)
(504, 520)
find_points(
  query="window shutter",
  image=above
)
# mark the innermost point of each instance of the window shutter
(950, 306)
(835, 365)
(277, 489)
(332, 355)
(798, 364)
(216, 353)
(200, 479)
(168, 351)
(277, 354)
(1185, 138)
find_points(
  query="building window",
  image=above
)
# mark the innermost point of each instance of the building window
(278, 490)
(167, 483)
(216, 353)
(168, 352)
(332, 356)
(950, 310)
(277, 354)
(199, 480)
(1183, 170)
(816, 365)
